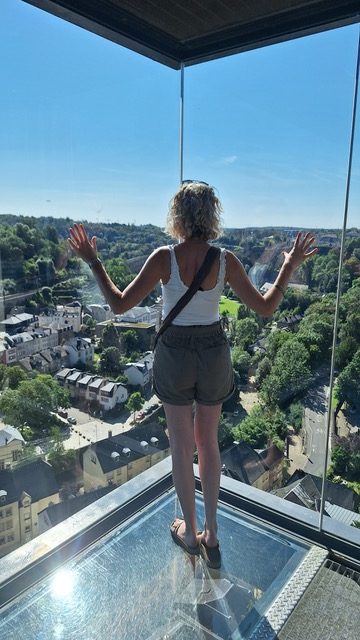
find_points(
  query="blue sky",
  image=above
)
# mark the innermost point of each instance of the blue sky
(89, 129)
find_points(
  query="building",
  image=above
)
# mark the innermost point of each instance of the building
(65, 319)
(24, 493)
(55, 513)
(77, 351)
(11, 446)
(91, 389)
(119, 458)
(140, 373)
(262, 469)
(17, 322)
(100, 312)
(146, 331)
(16, 347)
(135, 315)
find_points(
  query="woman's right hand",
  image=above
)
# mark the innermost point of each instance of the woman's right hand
(81, 244)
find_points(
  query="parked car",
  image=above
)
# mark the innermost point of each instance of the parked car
(62, 413)
(140, 415)
(72, 420)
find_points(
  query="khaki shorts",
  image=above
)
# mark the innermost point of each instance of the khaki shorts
(193, 363)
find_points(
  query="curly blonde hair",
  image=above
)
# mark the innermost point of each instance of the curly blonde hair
(194, 212)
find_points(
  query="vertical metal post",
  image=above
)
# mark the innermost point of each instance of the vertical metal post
(181, 128)
(181, 172)
(338, 292)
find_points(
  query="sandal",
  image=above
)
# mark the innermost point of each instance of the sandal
(193, 551)
(211, 555)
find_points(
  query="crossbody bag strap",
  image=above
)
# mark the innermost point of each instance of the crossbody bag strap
(212, 253)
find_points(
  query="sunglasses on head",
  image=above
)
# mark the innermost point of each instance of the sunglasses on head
(195, 181)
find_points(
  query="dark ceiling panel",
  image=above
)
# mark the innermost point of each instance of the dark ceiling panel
(192, 31)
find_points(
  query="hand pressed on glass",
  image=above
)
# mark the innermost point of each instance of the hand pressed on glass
(301, 250)
(81, 244)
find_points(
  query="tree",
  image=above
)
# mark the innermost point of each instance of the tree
(260, 425)
(134, 402)
(241, 363)
(110, 362)
(289, 375)
(345, 351)
(33, 402)
(119, 272)
(263, 370)
(130, 341)
(11, 376)
(110, 336)
(295, 414)
(348, 383)
(225, 433)
(245, 332)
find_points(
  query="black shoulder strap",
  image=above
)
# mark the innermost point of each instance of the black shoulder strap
(212, 253)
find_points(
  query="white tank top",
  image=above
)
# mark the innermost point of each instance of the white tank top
(203, 307)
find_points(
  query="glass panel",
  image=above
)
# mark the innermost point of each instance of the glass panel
(343, 474)
(270, 129)
(89, 132)
(136, 584)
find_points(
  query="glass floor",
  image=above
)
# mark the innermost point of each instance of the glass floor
(136, 584)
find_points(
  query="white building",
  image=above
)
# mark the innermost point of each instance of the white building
(65, 319)
(23, 345)
(77, 350)
(11, 446)
(148, 315)
(100, 312)
(111, 394)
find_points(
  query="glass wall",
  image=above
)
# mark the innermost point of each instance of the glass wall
(89, 133)
(270, 129)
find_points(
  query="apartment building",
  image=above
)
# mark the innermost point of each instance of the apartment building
(11, 446)
(24, 493)
(119, 458)
(87, 388)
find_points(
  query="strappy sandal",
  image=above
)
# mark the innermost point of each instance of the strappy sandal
(174, 528)
(211, 555)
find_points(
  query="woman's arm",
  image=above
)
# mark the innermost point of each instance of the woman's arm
(137, 290)
(266, 304)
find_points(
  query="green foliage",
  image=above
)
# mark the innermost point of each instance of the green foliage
(33, 402)
(135, 402)
(345, 351)
(295, 414)
(110, 337)
(130, 341)
(245, 332)
(348, 382)
(260, 425)
(62, 460)
(110, 362)
(345, 457)
(289, 376)
(119, 272)
(241, 362)
(263, 370)
(11, 376)
(225, 433)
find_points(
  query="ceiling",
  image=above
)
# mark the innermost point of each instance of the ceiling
(193, 31)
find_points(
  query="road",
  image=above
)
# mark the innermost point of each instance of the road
(90, 429)
(315, 429)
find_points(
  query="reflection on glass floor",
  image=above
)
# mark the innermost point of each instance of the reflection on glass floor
(136, 584)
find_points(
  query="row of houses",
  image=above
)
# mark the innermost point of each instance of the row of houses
(30, 494)
(88, 388)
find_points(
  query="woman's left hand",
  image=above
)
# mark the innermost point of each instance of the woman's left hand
(81, 243)
(301, 250)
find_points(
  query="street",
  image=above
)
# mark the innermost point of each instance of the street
(89, 429)
(315, 429)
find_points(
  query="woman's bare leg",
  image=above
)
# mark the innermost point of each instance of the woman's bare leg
(180, 426)
(206, 439)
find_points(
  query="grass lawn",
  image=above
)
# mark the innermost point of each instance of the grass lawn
(229, 305)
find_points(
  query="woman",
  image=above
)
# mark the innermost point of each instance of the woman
(192, 362)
